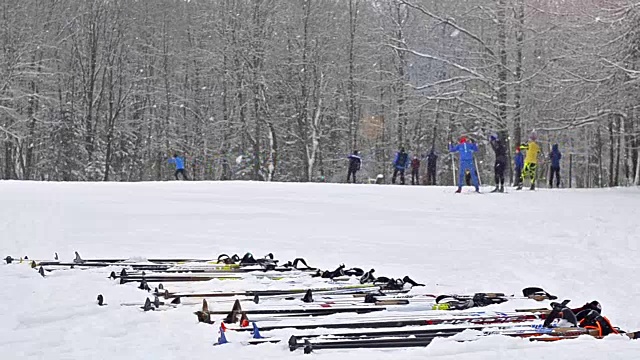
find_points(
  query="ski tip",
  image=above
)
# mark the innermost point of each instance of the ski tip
(55, 256)
(144, 285)
(293, 342)
(256, 331)
(123, 272)
(236, 306)
(308, 296)
(203, 317)
(160, 286)
(205, 306)
(222, 338)
(8, 259)
(33, 264)
(77, 259)
(256, 299)
(100, 300)
(147, 305)
(41, 271)
(244, 320)
(113, 275)
(308, 348)
(409, 280)
(176, 301)
(370, 299)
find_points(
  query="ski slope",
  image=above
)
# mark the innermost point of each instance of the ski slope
(578, 244)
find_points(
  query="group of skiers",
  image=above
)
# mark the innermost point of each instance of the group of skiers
(400, 164)
(525, 166)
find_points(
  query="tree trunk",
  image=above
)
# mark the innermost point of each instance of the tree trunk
(353, 124)
(503, 70)
(517, 126)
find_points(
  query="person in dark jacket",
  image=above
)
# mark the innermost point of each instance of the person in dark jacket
(355, 162)
(518, 164)
(466, 150)
(179, 166)
(501, 161)
(400, 164)
(432, 161)
(415, 171)
(555, 157)
(226, 170)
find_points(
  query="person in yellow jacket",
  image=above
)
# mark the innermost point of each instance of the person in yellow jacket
(530, 161)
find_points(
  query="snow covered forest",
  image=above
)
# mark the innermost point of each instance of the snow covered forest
(108, 90)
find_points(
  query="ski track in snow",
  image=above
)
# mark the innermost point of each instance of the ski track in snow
(578, 244)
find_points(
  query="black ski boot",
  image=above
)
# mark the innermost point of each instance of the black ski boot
(501, 189)
(496, 189)
(533, 186)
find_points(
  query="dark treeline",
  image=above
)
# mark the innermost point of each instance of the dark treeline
(108, 90)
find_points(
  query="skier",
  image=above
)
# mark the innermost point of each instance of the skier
(432, 160)
(355, 162)
(226, 170)
(179, 166)
(518, 162)
(501, 161)
(400, 163)
(530, 161)
(415, 171)
(466, 150)
(555, 157)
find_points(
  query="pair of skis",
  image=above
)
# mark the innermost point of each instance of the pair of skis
(223, 262)
(423, 338)
(371, 303)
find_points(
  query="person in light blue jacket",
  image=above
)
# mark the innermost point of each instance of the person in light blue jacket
(179, 166)
(466, 150)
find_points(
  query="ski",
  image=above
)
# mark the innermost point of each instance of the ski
(345, 288)
(198, 277)
(222, 263)
(308, 344)
(238, 314)
(414, 320)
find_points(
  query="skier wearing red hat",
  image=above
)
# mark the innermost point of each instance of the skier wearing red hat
(466, 150)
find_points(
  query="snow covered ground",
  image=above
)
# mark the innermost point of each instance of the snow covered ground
(578, 244)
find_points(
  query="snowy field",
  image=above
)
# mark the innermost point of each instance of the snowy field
(578, 244)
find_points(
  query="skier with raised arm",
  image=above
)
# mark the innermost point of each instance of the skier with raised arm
(501, 161)
(466, 149)
(179, 162)
(530, 161)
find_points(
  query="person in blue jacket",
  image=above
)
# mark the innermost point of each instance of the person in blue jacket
(466, 150)
(400, 164)
(518, 162)
(179, 166)
(555, 157)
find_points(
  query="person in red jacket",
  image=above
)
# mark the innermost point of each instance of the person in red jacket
(415, 171)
